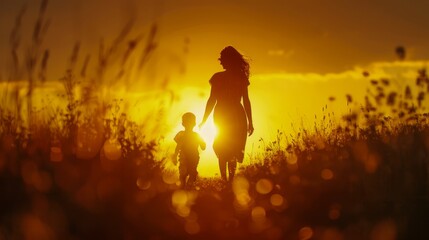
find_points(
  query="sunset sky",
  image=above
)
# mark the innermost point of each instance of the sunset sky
(301, 51)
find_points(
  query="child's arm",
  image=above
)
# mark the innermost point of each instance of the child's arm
(177, 139)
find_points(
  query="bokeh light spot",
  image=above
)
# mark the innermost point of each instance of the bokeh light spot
(334, 211)
(56, 154)
(34, 228)
(305, 233)
(170, 177)
(192, 227)
(258, 214)
(327, 174)
(292, 159)
(276, 200)
(385, 230)
(264, 186)
(143, 184)
(183, 211)
(334, 214)
(243, 199)
(240, 184)
(371, 163)
(112, 149)
(240, 187)
(179, 198)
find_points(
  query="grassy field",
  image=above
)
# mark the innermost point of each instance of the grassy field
(364, 178)
(87, 171)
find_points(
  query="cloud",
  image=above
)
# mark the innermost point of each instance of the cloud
(276, 52)
(280, 53)
(404, 69)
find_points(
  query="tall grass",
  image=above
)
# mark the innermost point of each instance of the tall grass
(363, 177)
(83, 156)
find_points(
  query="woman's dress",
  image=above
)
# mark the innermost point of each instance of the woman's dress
(229, 115)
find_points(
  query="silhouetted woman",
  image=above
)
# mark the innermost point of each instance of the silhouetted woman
(233, 122)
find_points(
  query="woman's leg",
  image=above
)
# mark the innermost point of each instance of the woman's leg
(232, 164)
(222, 168)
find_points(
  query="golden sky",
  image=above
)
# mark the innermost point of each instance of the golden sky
(279, 35)
(301, 51)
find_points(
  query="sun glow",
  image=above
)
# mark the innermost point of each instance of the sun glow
(208, 132)
(191, 100)
(208, 161)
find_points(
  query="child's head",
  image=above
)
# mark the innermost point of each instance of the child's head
(189, 120)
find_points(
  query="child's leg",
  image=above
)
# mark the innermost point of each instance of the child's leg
(192, 175)
(192, 171)
(232, 165)
(222, 168)
(183, 173)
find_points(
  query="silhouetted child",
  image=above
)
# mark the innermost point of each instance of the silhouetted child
(188, 142)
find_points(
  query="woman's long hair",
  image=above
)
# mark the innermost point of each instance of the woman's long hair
(235, 61)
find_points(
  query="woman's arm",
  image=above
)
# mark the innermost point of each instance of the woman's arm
(211, 102)
(248, 109)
